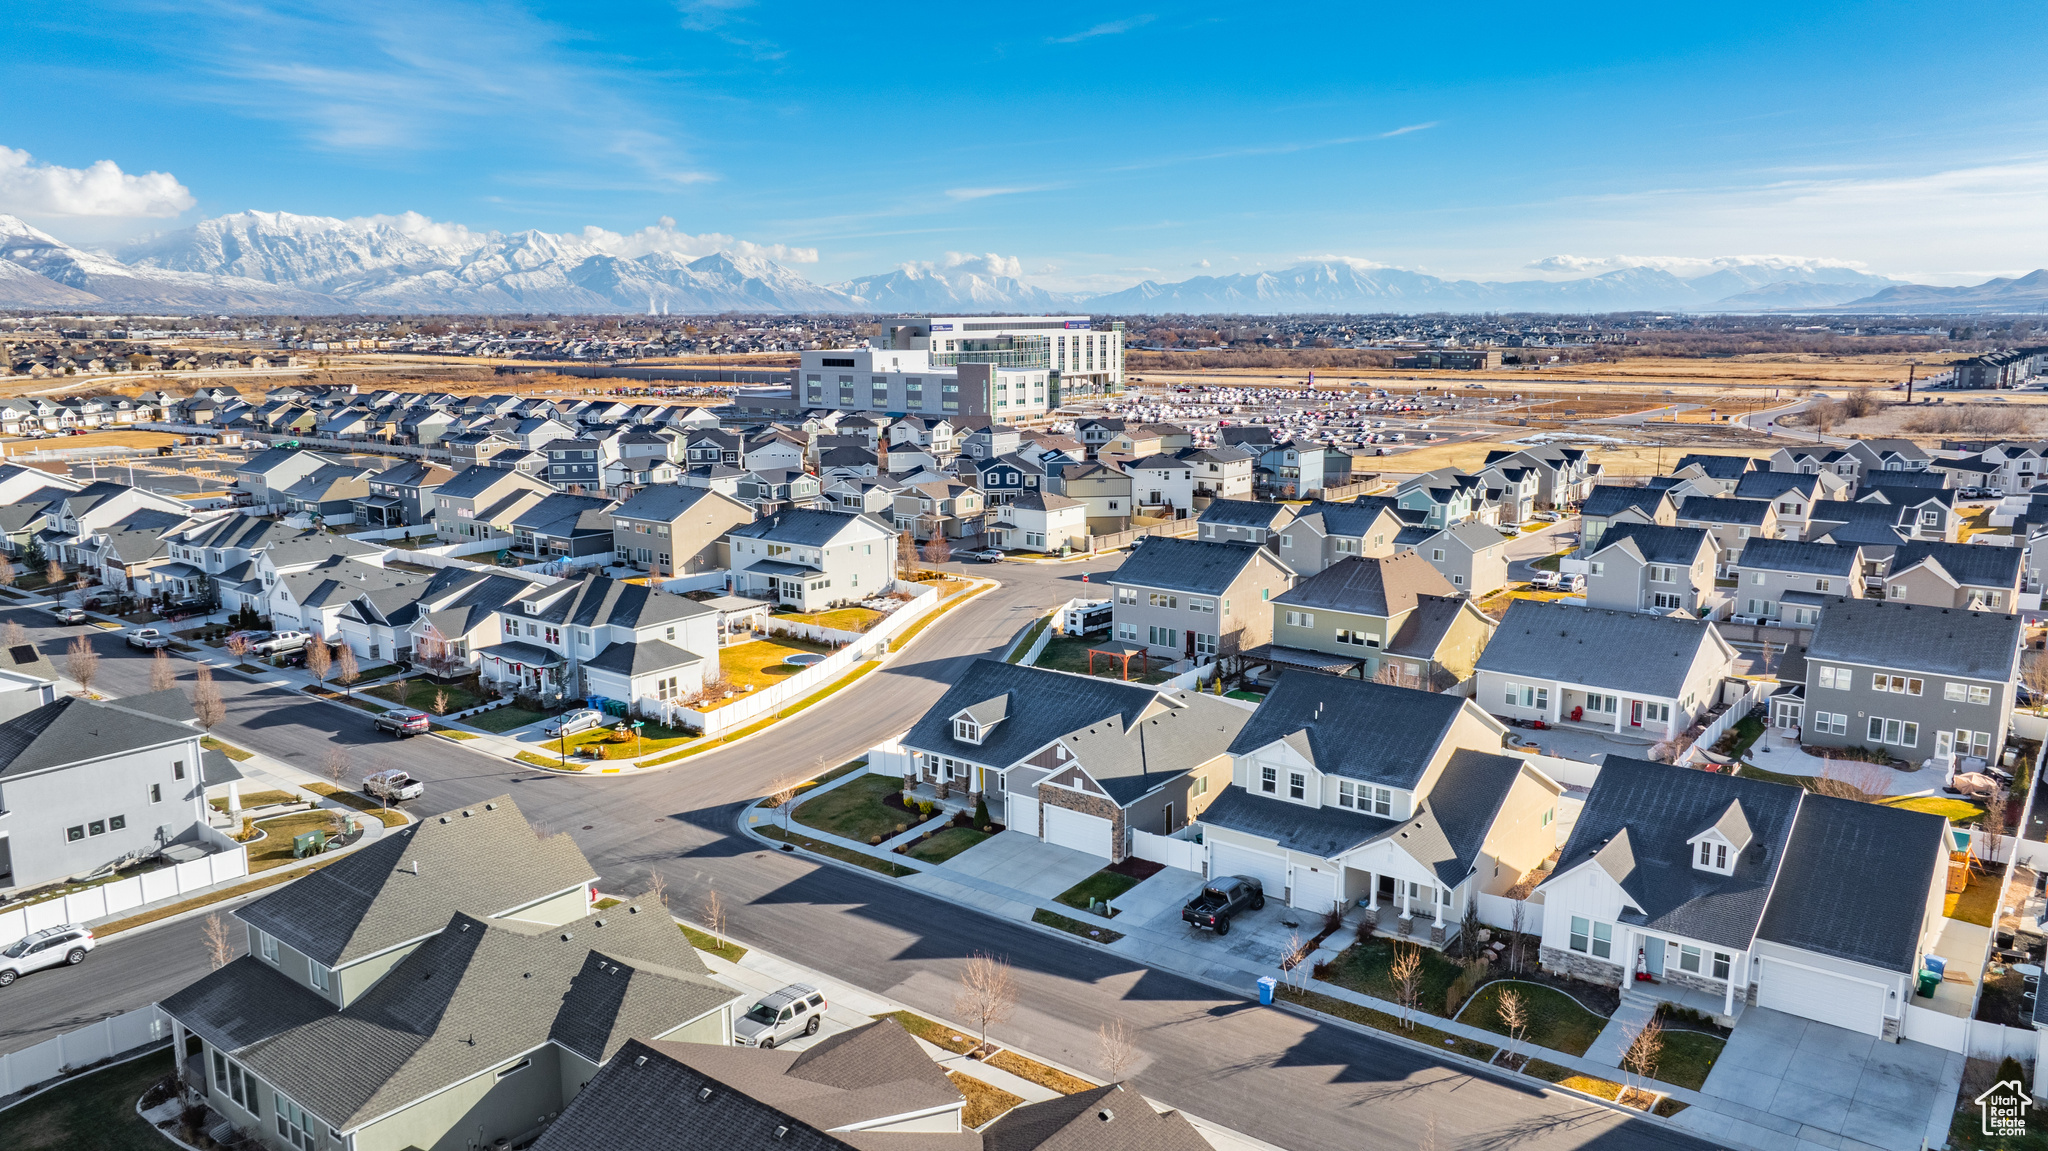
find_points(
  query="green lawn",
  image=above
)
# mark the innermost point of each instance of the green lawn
(1809, 782)
(1746, 731)
(1065, 654)
(1556, 1020)
(1103, 887)
(946, 844)
(725, 949)
(389, 817)
(504, 719)
(843, 619)
(227, 749)
(834, 851)
(653, 737)
(854, 809)
(1549, 563)
(1076, 927)
(759, 664)
(1362, 967)
(96, 1111)
(1420, 1032)
(1953, 810)
(423, 692)
(254, 799)
(1688, 1056)
(1030, 637)
(843, 769)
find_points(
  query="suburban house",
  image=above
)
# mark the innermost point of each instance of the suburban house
(1348, 794)
(1717, 474)
(1040, 521)
(329, 493)
(597, 636)
(811, 560)
(1243, 521)
(402, 496)
(1104, 489)
(1609, 504)
(1650, 568)
(1394, 619)
(564, 526)
(1075, 761)
(1976, 577)
(1322, 533)
(1301, 470)
(669, 530)
(1563, 475)
(1223, 472)
(1162, 485)
(450, 614)
(450, 985)
(480, 503)
(1911, 681)
(940, 509)
(1786, 582)
(1749, 891)
(1473, 556)
(1180, 597)
(264, 477)
(1792, 495)
(1628, 672)
(86, 784)
(1443, 497)
(1731, 522)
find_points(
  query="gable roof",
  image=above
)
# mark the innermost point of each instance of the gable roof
(804, 527)
(1719, 467)
(1367, 731)
(1725, 510)
(1794, 556)
(1132, 760)
(1245, 513)
(1037, 707)
(70, 729)
(1200, 567)
(1656, 543)
(1855, 881)
(1110, 1118)
(1984, 565)
(1597, 647)
(1769, 485)
(1370, 585)
(1611, 499)
(1916, 637)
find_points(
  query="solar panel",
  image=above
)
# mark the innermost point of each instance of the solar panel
(22, 653)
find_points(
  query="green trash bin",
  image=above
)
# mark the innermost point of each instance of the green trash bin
(1929, 980)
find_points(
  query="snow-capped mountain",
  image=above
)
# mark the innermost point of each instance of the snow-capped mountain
(915, 289)
(98, 279)
(2028, 293)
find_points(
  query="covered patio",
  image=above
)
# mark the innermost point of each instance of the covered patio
(523, 668)
(1279, 659)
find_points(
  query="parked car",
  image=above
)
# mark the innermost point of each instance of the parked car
(389, 786)
(1212, 907)
(280, 642)
(186, 607)
(987, 555)
(68, 614)
(404, 723)
(569, 723)
(780, 1016)
(251, 637)
(1546, 517)
(148, 638)
(65, 944)
(1571, 581)
(1544, 580)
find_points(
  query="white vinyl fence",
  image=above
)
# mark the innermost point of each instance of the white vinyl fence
(1744, 701)
(1499, 911)
(125, 894)
(1170, 850)
(114, 1035)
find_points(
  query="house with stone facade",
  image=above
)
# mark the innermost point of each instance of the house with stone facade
(1352, 794)
(1073, 760)
(1757, 893)
(1649, 676)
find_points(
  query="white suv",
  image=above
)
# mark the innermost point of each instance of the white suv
(795, 1010)
(46, 948)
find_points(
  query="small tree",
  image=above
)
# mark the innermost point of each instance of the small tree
(345, 669)
(1645, 1048)
(782, 799)
(1514, 1017)
(1997, 809)
(987, 994)
(906, 553)
(335, 767)
(441, 702)
(82, 664)
(14, 635)
(714, 913)
(219, 942)
(318, 659)
(657, 889)
(938, 551)
(7, 573)
(1116, 1049)
(207, 706)
(238, 646)
(162, 676)
(1406, 975)
(53, 574)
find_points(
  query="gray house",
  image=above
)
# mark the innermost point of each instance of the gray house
(87, 783)
(1732, 522)
(1610, 504)
(1190, 598)
(402, 496)
(1650, 568)
(1911, 681)
(1323, 533)
(1244, 521)
(1473, 556)
(448, 986)
(1786, 582)
(1648, 676)
(1976, 577)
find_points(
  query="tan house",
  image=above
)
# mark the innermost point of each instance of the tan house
(1190, 598)
(1105, 490)
(668, 530)
(948, 509)
(1394, 619)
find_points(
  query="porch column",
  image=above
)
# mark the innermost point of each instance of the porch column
(1621, 705)
(1406, 911)
(1372, 895)
(1735, 963)
(1437, 900)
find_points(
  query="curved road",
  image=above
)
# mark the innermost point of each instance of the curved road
(1300, 1084)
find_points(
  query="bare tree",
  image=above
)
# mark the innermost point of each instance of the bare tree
(1997, 810)
(238, 646)
(782, 799)
(1406, 975)
(938, 551)
(906, 553)
(441, 702)
(1116, 1049)
(162, 676)
(335, 767)
(53, 574)
(1294, 968)
(13, 635)
(1856, 779)
(714, 913)
(1645, 1048)
(318, 659)
(219, 942)
(207, 706)
(1514, 1017)
(7, 573)
(657, 889)
(988, 993)
(82, 664)
(345, 669)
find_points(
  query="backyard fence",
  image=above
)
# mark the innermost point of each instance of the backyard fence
(126, 894)
(1171, 850)
(1745, 699)
(1182, 528)
(114, 1035)
(1499, 911)
(1190, 680)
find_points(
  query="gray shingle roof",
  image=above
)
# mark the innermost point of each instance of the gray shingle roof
(1657, 543)
(1981, 564)
(803, 527)
(1717, 466)
(1200, 567)
(1377, 585)
(1769, 485)
(1369, 731)
(1354, 518)
(1662, 807)
(1807, 558)
(1134, 760)
(1611, 499)
(644, 657)
(1725, 510)
(1854, 883)
(1915, 637)
(1594, 646)
(70, 729)
(1324, 832)
(1039, 706)
(1245, 513)
(1110, 1118)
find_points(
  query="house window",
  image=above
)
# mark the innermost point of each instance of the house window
(1665, 601)
(156, 793)
(1897, 591)
(1205, 644)
(1603, 940)
(1721, 963)
(319, 975)
(266, 945)
(1581, 934)
(1160, 599)
(1838, 678)
(1301, 619)
(1297, 785)
(1830, 723)
(1901, 733)
(1523, 695)
(1437, 554)
(1895, 684)
(1127, 595)
(178, 769)
(1165, 637)
(1269, 780)
(1662, 573)
(1688, 958)
(967, 731)
(293, 1123)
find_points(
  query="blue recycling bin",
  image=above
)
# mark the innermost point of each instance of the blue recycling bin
(1267, 984)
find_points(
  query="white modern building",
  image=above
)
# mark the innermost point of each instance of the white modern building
(991, 367)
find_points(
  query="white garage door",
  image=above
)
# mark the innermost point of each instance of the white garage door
(1269, 870)
(1822, 997)
(1314, 891)
(1068, 828)
(1020, 813)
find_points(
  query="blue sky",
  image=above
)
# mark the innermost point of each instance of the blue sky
(1086, 146)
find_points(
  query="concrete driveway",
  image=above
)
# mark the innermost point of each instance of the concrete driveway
(1810, 1084)
(1017, 860)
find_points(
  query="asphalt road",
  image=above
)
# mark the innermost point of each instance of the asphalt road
(1214, 1054)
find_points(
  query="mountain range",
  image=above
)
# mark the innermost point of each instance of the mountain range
(278, 262)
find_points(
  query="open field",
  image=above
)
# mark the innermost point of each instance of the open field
(116, 439)
(1793, 372)
(1625, 459)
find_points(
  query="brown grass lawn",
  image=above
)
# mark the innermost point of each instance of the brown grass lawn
(983, 1101)
(759, 664)
(275, 849)
(120, 439)
(844, 619)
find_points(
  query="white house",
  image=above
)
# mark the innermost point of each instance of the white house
(812, 559)
(1646, 675)
(1041, 521)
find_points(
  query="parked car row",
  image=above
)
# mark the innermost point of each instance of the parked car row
(1980, 493)
(1558, 581)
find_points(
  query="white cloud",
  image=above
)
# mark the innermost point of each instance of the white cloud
(437, 233)
(985, 193)
(1687, 267)
(1111, 28)
(662, 236)
(1201, 263)
(991, 264)
(29, 188)
(1356, 263)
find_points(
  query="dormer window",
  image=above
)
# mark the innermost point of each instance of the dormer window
(1713, 856)
(966, 730)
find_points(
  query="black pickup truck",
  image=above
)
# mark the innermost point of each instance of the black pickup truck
(1221, 898)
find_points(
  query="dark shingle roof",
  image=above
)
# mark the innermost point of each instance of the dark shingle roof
(1039, 706)
(71, 729)
(1110, 1118)
(1854, 884)
(644, 657)
(1725, 510)
(1658, 544)
(1369, 731)
(1915, 637)
(1245, 513)
(1981, 564)
(1768, 485)
(1719, 467)
(1793, 556)
(802, 527)
(1610, 499)
(1324, 832)
(1378, 585)
(1200, 567)
(1596, 647)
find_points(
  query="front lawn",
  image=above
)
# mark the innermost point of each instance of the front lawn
(503, 719)
(95, 1110)
(854, 810)
(653, 737)
(255, 799)
(984, 1102)
(1687, 1057)
(834, 851)
(275, 849)
(227, 749)
(1032, 1071)
(1549, 563)
(1380, 1020)
(385, 815)
(1958, 811)
(422, 693)
(1556, 1020)
(725, 949)
(1101, 887)
(1362, 967)
(1075, 927)
(759, 664)
(946, 844)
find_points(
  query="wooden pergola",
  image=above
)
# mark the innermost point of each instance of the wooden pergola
(1121, 652)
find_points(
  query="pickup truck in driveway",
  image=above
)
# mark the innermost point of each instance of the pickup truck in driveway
(1221, 898)
(281, 642)
(148, 638)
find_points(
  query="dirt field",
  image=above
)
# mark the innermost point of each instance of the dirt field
(123, 439)
(1794, 373)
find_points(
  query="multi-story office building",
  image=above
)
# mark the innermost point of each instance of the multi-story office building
(990, 367)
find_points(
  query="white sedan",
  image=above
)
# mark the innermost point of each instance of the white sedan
(569, 723)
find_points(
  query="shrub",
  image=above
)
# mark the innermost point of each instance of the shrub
(981, 818)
